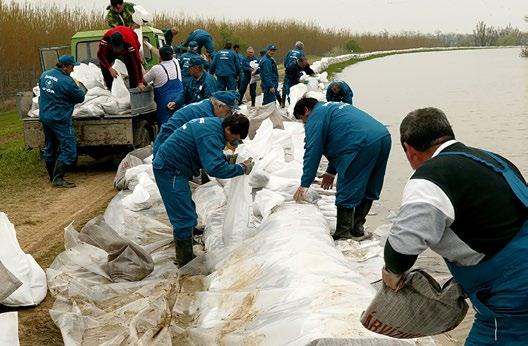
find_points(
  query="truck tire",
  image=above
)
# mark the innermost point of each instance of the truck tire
(143, 134)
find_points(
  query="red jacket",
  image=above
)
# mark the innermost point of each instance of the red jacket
(106, 55)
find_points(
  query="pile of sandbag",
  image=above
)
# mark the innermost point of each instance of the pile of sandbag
(99, 101)
(22, 281)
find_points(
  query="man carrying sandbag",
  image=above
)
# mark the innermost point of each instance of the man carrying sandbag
(198, 144)
(469, 206)
(357, 147)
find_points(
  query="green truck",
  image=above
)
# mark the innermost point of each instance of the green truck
(99, 136)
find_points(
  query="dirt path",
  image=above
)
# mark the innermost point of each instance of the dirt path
(40, 214)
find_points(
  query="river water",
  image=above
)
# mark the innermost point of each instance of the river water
(484, 94)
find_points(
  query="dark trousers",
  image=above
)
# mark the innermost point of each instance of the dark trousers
(60, 143)
(133, 78)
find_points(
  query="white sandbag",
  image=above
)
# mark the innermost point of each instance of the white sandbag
(238, 211)
(254, 67)
(89, 75)
(265, 201)
(9, 328)
(120, 67)
(22, 266)
(138, 200)
(141, 16)
(258, 114)
(121, 93)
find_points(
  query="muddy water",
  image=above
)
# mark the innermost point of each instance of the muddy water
(484, 94)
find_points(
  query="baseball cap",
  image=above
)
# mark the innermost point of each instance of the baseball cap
(67, 60)
(196, 60)
(230, 98)
(271, 47)
(193, 44)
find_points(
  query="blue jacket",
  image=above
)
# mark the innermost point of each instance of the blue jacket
(200, 89)
(58, 95)
(337, 131)
(293, 55)
(246, 67)
(345, 95)
(197, 144)
(197, 110)
(198, 35)
(225, 63)
(269, 75)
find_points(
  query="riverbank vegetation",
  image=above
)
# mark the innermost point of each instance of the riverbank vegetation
(34, 26)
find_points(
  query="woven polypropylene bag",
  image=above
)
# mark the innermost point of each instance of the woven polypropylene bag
(421, 308)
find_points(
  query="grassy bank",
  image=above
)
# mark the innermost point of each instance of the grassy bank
(18, 166)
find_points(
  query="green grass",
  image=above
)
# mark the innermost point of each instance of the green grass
(18, 166)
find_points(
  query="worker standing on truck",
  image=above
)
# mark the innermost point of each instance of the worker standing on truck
(198, 144)
(58, 94)
(121, 43)
(168, 87)
(120, 14)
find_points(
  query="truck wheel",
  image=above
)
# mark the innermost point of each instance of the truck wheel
(142, 135)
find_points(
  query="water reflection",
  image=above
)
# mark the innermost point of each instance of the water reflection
(483, 93)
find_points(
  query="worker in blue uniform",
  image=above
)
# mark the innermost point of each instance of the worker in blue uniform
(220, 104)
(202, 84)
(245, 77)
(226, 68)
(203, 39)
(295, 54)
(269, 76)
(470, 206)
(339, 91)
(198, 144)
(168, 87)
(184, 60)
(357, 147)
(58, 95)
(292, 77)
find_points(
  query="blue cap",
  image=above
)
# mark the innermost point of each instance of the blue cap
(67, 60)
(193, 44)
(271, 46)
(196, 60)
(230, 97)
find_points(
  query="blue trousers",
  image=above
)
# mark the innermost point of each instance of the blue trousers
(226, 83)
(207, 42)
(60, 142)
(363, 178)
(270, 97)
(177, 198)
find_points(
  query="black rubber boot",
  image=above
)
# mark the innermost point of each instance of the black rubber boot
(283, 100)
(184, 251)
(345, 223)
(50, 167)
(58, 176)
(253, 98)
(204, 177)
(360, 218)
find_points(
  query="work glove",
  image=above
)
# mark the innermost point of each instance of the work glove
(394, 281)
(231, 158)
(147, 43)
(247, 165)
(328, 181)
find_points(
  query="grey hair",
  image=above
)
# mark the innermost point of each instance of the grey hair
(299, 45)
(216, 102)
(424, 128)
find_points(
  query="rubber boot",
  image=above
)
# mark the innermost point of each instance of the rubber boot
(345, 223)
(253, 98)
(283, 100)
(50, 167)
(204, 177)
(184, 251)
(58, 176)
(360, 217)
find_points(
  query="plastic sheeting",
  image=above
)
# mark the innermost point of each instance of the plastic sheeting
(22, 266)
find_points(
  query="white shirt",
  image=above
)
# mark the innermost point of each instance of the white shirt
(158, 75)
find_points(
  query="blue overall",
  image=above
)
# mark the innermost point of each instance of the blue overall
(269, 78)
(168, 92)
(498, 287)
(58, 96)
(197, 144)
(356, 145)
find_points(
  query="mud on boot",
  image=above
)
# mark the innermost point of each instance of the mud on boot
(58, 176)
